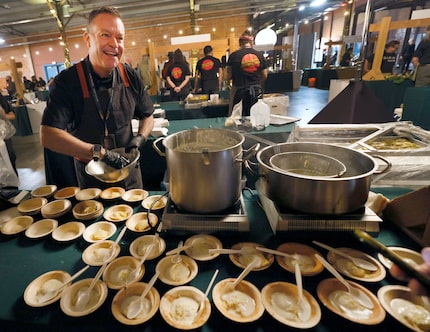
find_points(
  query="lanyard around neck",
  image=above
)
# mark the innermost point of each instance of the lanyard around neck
(96, 98)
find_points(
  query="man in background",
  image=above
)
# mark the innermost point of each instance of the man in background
(247, 69)
(208, 73)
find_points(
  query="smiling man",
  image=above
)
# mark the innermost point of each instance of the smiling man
(92, 103)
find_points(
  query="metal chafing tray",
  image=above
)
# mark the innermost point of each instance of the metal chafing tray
(410, 165)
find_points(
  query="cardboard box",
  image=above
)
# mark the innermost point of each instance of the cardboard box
(278, 103)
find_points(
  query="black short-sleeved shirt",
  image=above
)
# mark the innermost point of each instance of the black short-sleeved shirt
(66, 104)
(388, 62)
(208, 67)
(246, 65)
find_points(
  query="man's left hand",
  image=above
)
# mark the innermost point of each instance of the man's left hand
(135, 143)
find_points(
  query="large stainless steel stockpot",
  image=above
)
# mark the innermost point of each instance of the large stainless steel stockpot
(318, 195)
(204, 167)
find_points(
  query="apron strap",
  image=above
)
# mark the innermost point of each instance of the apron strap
(123, 75)
(83, 80)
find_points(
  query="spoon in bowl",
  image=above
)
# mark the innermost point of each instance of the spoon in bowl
(244, 250)
(135, 272)
(202, 302)
(364, 264)
(53, 293)
(84, 296)
(358, 294)
(136, 306)
(296, 257)
(256, 262)
(304, 308)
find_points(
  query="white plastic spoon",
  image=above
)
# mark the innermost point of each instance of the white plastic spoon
(136, 306)
(357, 261)
(178, 250)
(243, 250)
(358, 294)
(256, 262)
(53, 293)
(280, 253)
(84, 296)
(202, 302)
(304, 308)
(134, 273)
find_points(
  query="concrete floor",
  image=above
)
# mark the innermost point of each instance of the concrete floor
(304, 104)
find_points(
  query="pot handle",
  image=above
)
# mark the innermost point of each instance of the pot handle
(247, 154)
(248, 166)
(385, 160)
(154, 144)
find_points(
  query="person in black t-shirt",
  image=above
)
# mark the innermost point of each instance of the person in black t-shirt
(209, 71)
(388, 59)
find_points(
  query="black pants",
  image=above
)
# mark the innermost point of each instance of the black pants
(249, 96)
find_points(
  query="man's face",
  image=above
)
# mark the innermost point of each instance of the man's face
(392, 49)
(105, 41)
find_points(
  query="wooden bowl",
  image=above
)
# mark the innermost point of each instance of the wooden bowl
(16, 225)
(44, 191)
(201, 243)
(155, 202)
(88, 210)
(227, 304)
(97, 298)
(112, 193)
(99, 231)
(410, 256)
(138, 222)
(393, 297)
(307, 268)
(139, 246)
(127, 294)
(42, 284)
(179, 307)
(41, 228)
(177, 274)
(117, 273)
(68, 192)
(276, 294)
(32, 206)
(347, 268)
(68, 231)
(134, 195)
(88, 194)
(56, 208)
(360, 314)
(118, 213)
(242, 260)
(101, 252)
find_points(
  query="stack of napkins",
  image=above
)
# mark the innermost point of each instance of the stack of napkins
(159, 129)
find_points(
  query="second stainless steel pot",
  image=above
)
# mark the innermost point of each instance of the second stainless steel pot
(205, 168)
(328, 196)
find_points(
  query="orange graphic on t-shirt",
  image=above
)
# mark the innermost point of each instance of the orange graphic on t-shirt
(250, 63)
(207, 64)
(176, 72)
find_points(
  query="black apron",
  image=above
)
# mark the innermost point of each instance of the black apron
(90, 129)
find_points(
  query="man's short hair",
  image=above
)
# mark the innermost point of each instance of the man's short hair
(207, 49)
(101, 10)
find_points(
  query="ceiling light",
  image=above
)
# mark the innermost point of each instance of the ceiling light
(316, 3)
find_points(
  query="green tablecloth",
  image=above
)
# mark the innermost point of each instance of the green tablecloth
(390, 93)
(22, 121)
(416, 107)
(22, 260)
(176, 111)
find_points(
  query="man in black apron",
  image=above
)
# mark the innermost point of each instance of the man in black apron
(248, 70)
(92, 103)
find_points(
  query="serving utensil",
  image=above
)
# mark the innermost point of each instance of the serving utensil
(84, 296)
(304, 308)
(364, 264)
(361, 297)
(136, 306)
(53, 293)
